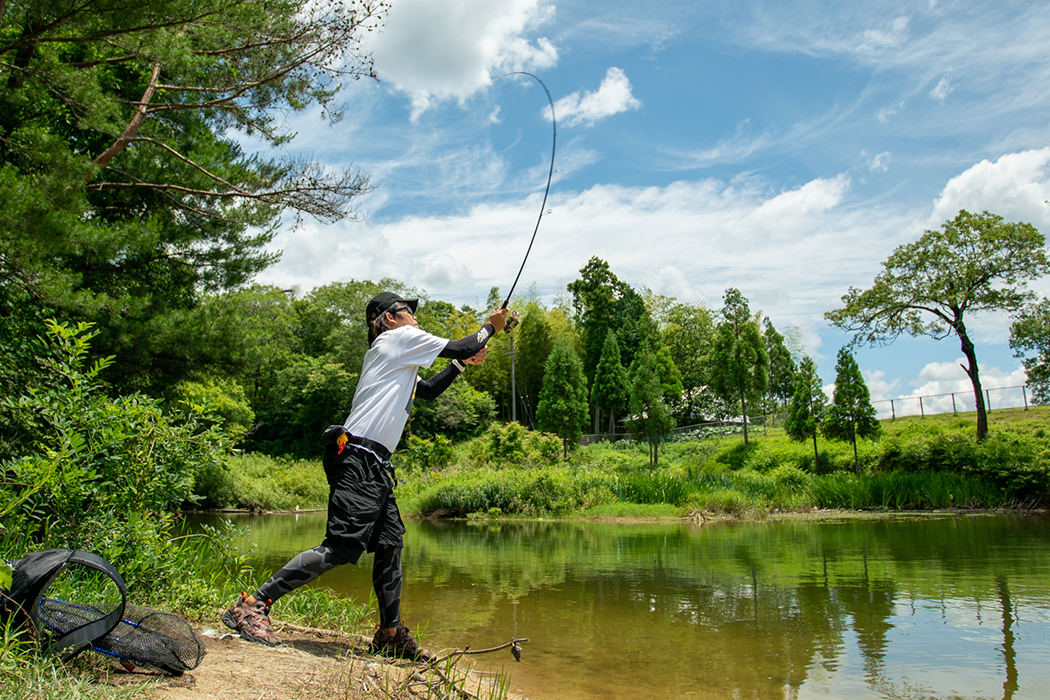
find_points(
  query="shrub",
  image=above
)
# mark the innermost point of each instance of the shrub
(100, 468)
(421, 454)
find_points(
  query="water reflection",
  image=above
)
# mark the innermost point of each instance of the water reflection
(879, 608)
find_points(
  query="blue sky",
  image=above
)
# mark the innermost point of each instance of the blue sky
(783, 148)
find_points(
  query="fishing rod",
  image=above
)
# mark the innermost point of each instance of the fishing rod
(511, 322)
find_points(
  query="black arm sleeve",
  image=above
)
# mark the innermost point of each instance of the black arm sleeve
(432, 387)
(469, 346)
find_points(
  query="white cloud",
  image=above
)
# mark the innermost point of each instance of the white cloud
(944, 387)
(732, 149)
(871, 40)
(792, 253)
(887, 113)
(941, 90)
(672, 282)
(879, 386)
(1015, 186)
(450, 49)
(879, 163)
(613, 96)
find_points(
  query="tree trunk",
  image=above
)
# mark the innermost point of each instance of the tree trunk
(856, 459)
(596, 420)
(743, 413)
(816, 455)
(972, 373)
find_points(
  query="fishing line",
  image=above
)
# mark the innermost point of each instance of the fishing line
(546, 191)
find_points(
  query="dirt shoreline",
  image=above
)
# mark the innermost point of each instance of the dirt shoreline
(310, 664)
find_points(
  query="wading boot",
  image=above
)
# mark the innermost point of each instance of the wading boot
(251, 620)
(401, 645)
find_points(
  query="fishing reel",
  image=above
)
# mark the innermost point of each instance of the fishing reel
(512, 322)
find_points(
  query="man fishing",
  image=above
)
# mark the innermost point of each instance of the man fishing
(362, 512)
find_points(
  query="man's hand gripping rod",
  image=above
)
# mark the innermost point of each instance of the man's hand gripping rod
(512, 317)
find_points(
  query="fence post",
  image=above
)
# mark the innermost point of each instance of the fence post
(1024, 393)
(893, 413)
(954, 411)
(987, 401)
(922, 411)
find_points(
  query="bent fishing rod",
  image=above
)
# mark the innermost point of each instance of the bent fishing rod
(543, 205)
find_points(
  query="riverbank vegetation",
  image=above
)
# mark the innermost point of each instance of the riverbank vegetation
(917, 463)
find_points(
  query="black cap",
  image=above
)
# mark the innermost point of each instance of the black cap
(382, 302)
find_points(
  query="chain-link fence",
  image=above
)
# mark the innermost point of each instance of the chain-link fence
(929, 404)
(952, 402)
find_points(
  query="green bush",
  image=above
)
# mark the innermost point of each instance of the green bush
(1018, 465)
(421, 454)
(100, 472)
(459, 413)
(512, 444)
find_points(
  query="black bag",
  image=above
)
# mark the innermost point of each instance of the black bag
(20, 607)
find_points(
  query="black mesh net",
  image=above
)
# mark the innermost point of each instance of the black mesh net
(143, 636)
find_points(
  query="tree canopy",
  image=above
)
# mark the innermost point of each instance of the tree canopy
(1030, 339)
(651, 415)
(563, 400)
(975, 262)
(851, 414)
(739, 364)
(127, 190)
(610, 389)
(807, 408)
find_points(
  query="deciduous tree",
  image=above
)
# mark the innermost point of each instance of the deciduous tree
(1030, 339)
(975, 262)
(782, 369)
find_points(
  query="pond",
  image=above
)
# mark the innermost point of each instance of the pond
(885, 607)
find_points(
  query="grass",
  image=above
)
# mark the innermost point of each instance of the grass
(917, 463)
(25, 674)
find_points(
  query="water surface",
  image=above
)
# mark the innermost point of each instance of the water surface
(923, 607)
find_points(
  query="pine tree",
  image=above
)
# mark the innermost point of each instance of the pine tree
(611, 386)
(851, 413)
(807, 408)
(651, 416)
(563, 399)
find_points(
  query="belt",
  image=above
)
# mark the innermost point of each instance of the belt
(371, 445)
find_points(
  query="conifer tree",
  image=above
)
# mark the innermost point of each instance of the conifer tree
(782, 369)
(851, 413)
(563, 399)
(739, 364)
(808, 407)
(651, 416)
(610, 390)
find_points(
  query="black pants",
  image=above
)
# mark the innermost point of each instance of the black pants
(362, 517)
